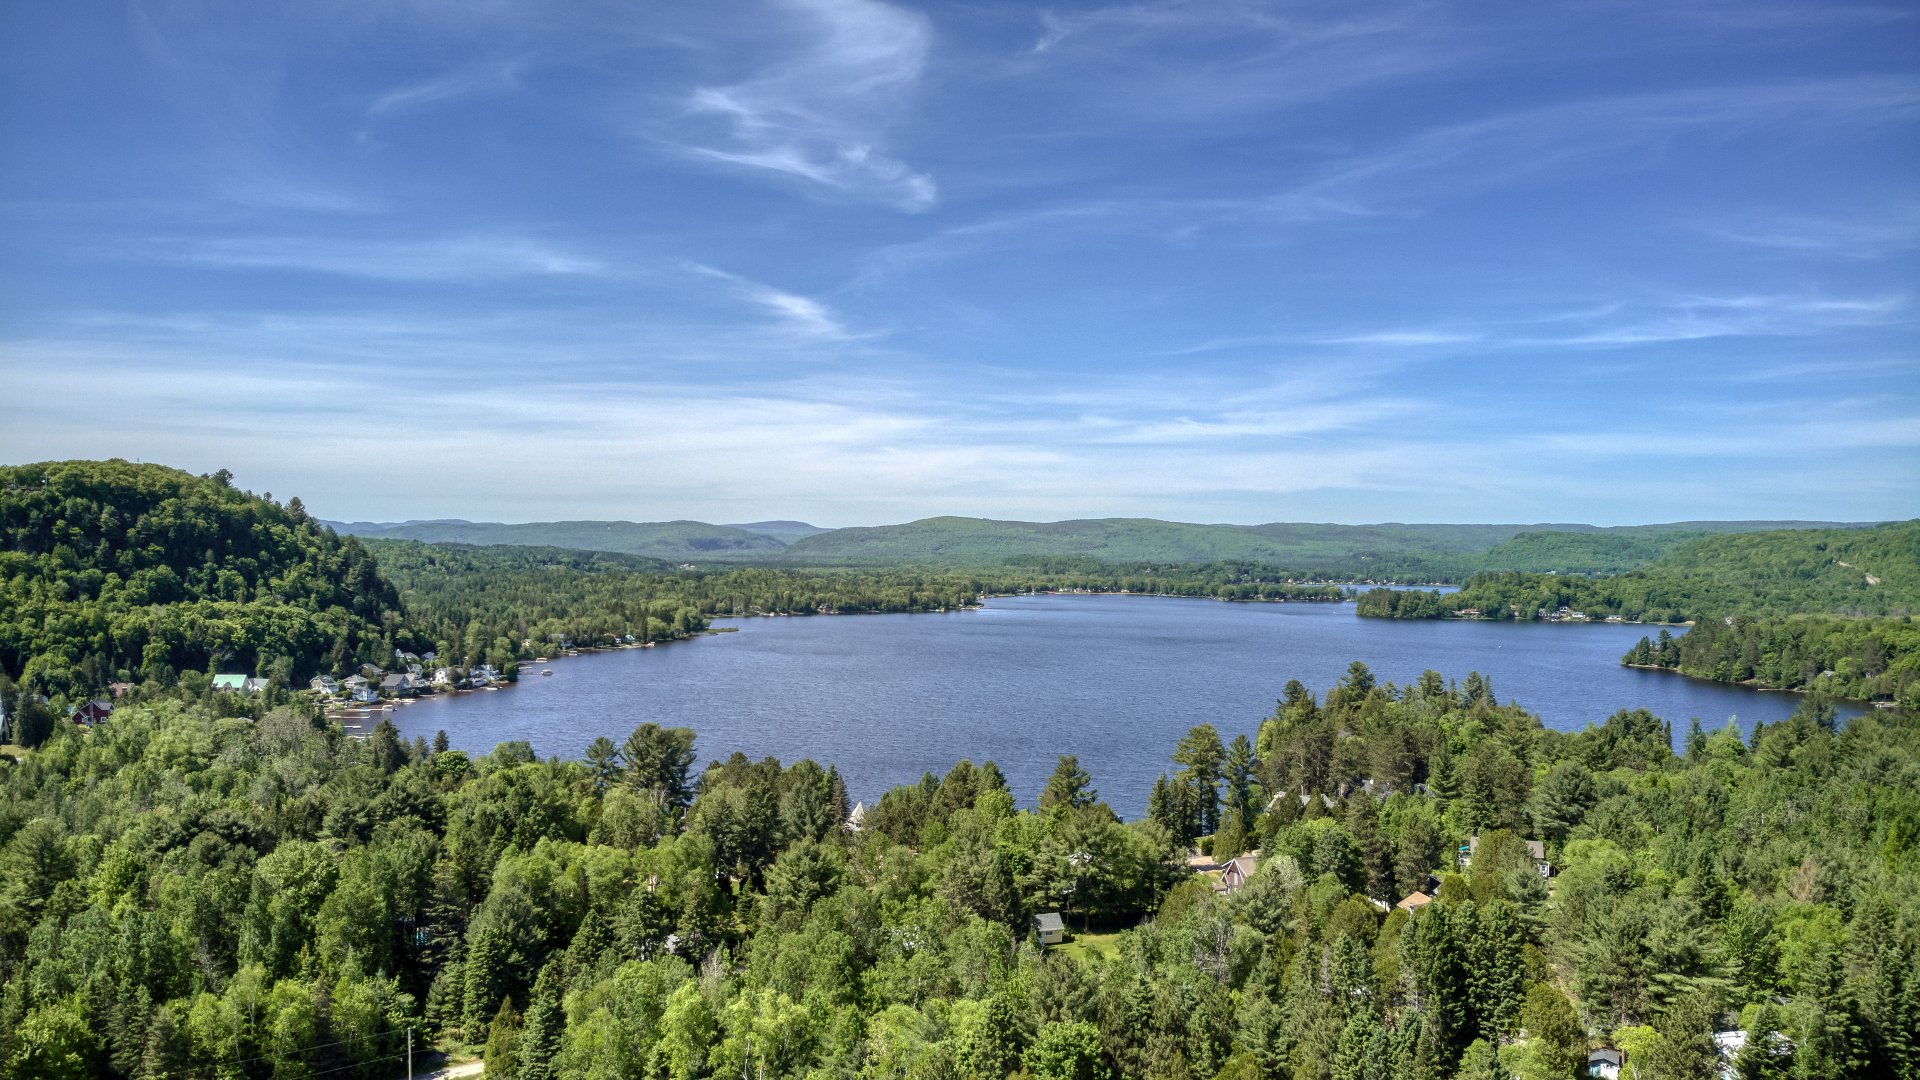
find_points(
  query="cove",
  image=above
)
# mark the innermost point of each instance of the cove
(1021, 680)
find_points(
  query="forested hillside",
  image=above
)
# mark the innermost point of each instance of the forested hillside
(184, 896)
(1870, 571)
(675, 541)
(115, 570)
(1389, 552)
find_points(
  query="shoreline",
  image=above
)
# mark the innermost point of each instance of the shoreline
(1749, 684)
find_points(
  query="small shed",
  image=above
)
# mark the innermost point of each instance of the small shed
(1049, 929)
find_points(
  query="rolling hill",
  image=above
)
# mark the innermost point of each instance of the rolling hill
(670, 540)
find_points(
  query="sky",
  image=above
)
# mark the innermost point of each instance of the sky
(859, 262)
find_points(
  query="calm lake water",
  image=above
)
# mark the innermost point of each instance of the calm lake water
(1115, 680)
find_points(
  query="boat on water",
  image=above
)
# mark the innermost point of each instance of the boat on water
(546, 671)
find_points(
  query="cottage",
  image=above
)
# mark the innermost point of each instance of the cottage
(227, 683)
(1237, 872)
(442, 677)
(92, 712)
(1049, 929)
(858, 819)
(254, 685)
(354, 682)
(1605, 1063)
(484, 673)
(326, 685)
(398, 685)
(364, 695)
(1536, 850)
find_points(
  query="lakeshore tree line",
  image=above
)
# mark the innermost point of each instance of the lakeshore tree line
(186, 894)
(116, 572)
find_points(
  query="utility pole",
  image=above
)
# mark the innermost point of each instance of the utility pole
(409, 1053)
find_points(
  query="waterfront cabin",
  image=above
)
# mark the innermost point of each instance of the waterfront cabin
(1237, 872)
(364, 695)
(325, 685)
(398, 685)
(1536, 851)
(1049, 929)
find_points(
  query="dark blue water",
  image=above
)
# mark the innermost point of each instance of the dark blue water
(1115, 680)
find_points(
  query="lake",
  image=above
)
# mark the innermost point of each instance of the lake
(1114, 679)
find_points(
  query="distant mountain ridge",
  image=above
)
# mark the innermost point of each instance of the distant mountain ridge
(673, 540)
(1381, 551)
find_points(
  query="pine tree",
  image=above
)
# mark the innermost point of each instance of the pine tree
(1069, 786)
(1498, 977)
(545, 1025)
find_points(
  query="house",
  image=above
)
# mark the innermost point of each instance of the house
(1536, 851)
(858, 819)
(442, 677)
(398, 685)
(484, 673)
(226, 683)
(1605, 1063)
(354, 682)
(254, 685)
(326, 685)
(1049, 929)
(92, 712)
(1237, 872)
(364, 695)
(1414, 901)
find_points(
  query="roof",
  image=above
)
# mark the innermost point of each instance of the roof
(1414, 900)
(1050, 920)
(395, 680)
(229, 682)
(1606, 1055)
(1245, 864)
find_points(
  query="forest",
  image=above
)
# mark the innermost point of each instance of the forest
(1863, 659)
(185, 894)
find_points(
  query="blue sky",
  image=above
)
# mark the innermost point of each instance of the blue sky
(860, 262)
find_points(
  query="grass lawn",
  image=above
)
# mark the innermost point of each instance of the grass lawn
(1090, 947)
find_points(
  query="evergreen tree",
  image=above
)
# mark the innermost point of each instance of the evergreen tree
(1069, 786)
(540, 1039)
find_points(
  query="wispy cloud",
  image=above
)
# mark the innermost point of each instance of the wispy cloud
(821, 113)
(1885, 233)
(803, 315)
(483, 79)
(1508, 147)
(468, 258)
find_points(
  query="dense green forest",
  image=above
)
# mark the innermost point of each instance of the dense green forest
(113, 570)
(1853, 658)
(189, 895)
(1872, 571)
